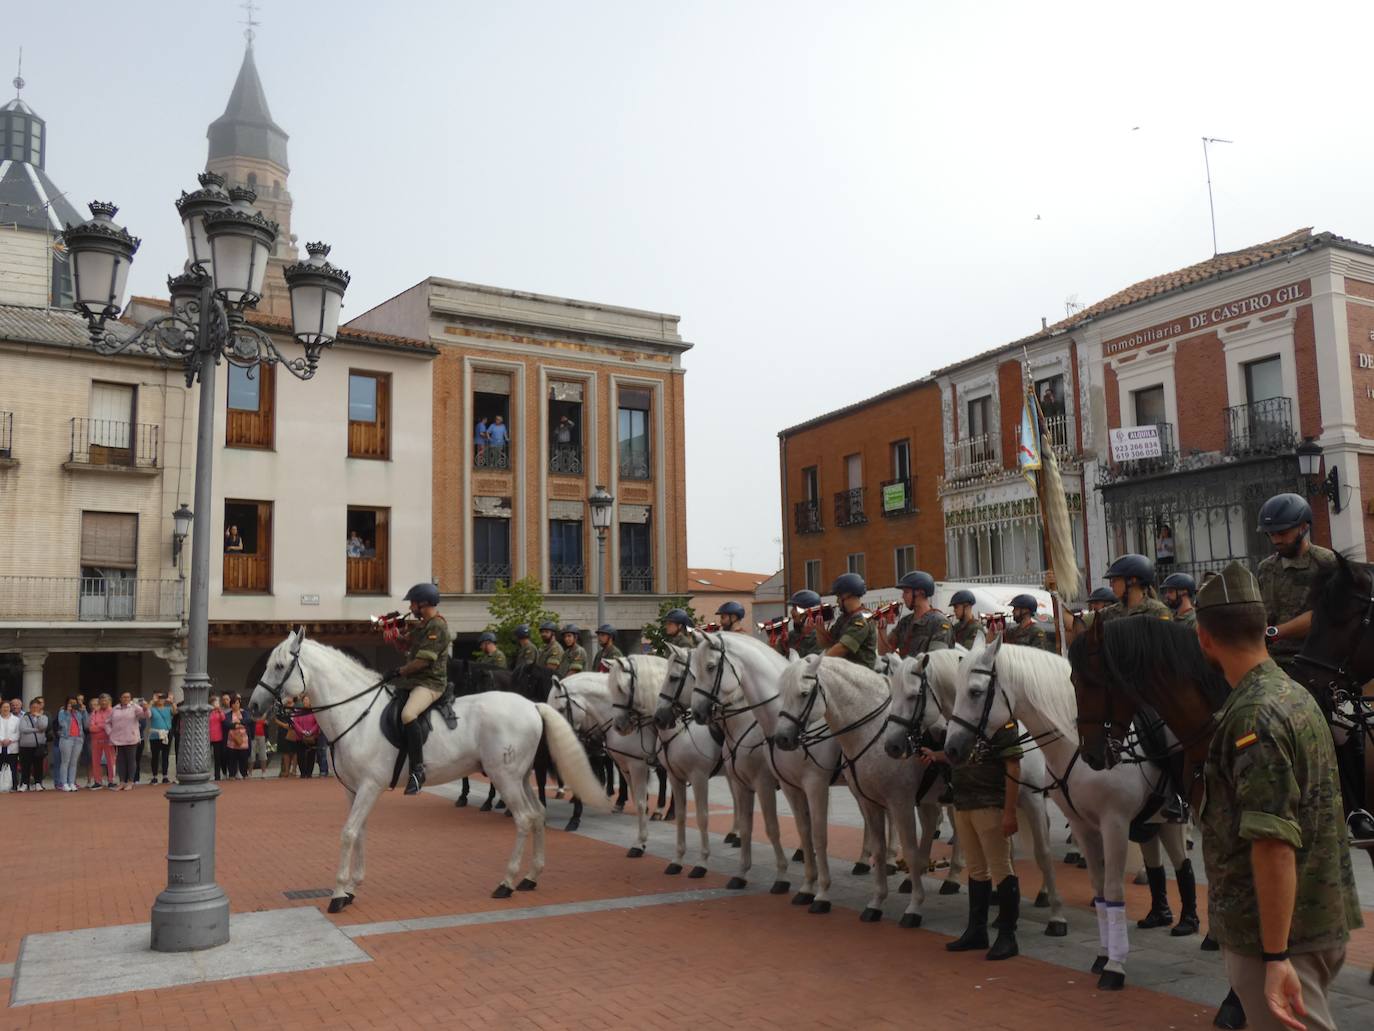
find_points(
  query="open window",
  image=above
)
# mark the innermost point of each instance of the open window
(247, 547)
(109, 565)
(565, 429)
(491, 430)
(367, 550)
(249, 420)
(369, 414)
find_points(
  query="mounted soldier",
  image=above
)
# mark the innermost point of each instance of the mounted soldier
(491, 654)
(606, 650)
(967, 626)
(1285, 578)
(424, 674)
(526, 654)
(853, 635)
(551, 654)
(1179, 591)
(1023, 629)
(924, 628)
(732, 617)
(574, 657)
(676, 623)
(1132, 580)
(800, 637)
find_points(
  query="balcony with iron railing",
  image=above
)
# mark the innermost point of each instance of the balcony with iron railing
(634, 466)
(636, 580)
(1260, 428)
(566, 460)
(491, 456)
(6, 436)
(896, 496)
(1148, 463)
(1061, 433)
(110, 445)
(808, 517)
(568, 579)
(973, 457)
(849, 507)
(486, 576)
(91, 599)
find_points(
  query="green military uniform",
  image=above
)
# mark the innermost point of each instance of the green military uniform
(605, 656)
(1032, 635)
(980, 782)
(915, 634)
(429, 642)
(1283, 587)
(525, 655)
(681, 639)
(1188, 619)
(573, 660)
(496, 660)
(803, 643)
(859, 635)
(549, 656)
(966, 633)
(1149, 607)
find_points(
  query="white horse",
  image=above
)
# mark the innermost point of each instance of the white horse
(923, 690)
(1000, 683)
(686, 750)
(497, 734)
(584, 699)
(853, 699)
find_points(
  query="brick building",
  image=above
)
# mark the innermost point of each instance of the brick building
(712, 588)
(859, 490)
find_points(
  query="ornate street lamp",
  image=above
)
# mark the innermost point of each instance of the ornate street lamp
(1310, 465)
(227, 245)
(601, 503)
(181, 529)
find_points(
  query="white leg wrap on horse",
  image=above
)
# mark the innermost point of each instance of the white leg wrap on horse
(1118, 944)
(1100, 905)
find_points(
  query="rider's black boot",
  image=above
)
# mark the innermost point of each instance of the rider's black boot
(1159, 915)
(415, 754)
(1008, 912)
(1361, 827)
(975, 936)
(1188, 922)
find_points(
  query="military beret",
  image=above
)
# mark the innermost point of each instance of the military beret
(1235, 585)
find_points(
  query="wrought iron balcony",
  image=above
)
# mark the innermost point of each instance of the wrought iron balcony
(896, 496)
(636, 580)
(1146, 465)
(1060, 430)
(491, 456)
(486, 575)
(6, 434)
(91, 598)
(109, 442)
(568, 579)
(1261, 428)
(566, 460)
(849, 507)
(973, 457)
(808, 517)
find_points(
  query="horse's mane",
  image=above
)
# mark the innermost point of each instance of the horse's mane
(1044, 680)
(942, 667)
(761, 649)
(1141, 650)
(1331, 586)
(354, 666)
(646, 688)
(854, 673)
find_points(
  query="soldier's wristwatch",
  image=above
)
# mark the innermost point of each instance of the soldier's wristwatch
(1271, 632)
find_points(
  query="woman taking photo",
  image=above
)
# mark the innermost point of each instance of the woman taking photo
(160, 736)
(124, 735)
(102, 752)
(71, 738)
(238, 733)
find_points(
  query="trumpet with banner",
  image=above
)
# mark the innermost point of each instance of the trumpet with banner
(392, 627)
(886, 614)
(777, 629)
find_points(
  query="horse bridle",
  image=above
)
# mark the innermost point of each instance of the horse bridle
(674, 700)
(637, 719)
(293, 710)
(914, 725)
(980, 729)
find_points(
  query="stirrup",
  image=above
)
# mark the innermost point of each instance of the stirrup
(416, 781)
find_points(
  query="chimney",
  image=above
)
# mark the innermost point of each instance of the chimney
(1044, 323)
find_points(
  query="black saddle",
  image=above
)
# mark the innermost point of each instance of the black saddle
(391, 717)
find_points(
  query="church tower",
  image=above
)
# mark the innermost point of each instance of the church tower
(249, 149)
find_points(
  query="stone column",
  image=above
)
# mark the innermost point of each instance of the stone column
(176, 665)
(33, 674)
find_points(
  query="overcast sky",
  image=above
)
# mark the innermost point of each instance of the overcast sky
(835, 197)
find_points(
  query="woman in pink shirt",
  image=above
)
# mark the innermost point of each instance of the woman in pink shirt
(101, 748)
(125, 733)
(307, 730)
(217, 734)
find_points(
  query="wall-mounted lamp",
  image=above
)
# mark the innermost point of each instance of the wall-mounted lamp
(1310, 465)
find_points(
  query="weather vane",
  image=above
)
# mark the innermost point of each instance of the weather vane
(249, 22)
(19, 74)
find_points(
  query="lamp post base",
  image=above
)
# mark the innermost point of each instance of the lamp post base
(192, 912)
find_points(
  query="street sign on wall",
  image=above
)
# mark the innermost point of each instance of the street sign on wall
(1135, 442)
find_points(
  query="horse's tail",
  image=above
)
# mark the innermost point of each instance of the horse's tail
(571, 760)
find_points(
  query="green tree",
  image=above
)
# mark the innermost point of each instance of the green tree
(520, 602)
(654, 631)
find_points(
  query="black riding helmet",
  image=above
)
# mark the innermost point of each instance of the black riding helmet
(1180, 582)
(849, 583)
(423, 594)
(1027, 602)
(1103, 594)
(918, 580)
(964, 597)
(1130, 567)
(805, 599)
(1283, 512)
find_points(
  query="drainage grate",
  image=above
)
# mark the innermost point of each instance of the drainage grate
(309, 893)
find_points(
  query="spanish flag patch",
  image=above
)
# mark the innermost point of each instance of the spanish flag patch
(1246, 741)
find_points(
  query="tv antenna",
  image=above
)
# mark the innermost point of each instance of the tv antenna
(1207, 162)
(730, 554)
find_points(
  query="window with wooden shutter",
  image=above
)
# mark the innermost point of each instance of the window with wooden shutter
(250, 407)
(367, 550)
(369, 414)
(247, 547)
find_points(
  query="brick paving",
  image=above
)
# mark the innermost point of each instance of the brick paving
(751, 960)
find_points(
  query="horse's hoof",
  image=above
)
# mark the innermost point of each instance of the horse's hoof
(891, 869)
(910, 920)
(1099, 965)
(948, 887)
(736, 883)
(460, 801)
(635, 853)
(673, 869)
(510, 814)
(803, 898)
(338, 905)
(697, 872)
(486, 807)
(860, 869)
(820, 906)
(780, 888)
(1042, 900)
(500, 804)
(1057, 929)
(1209, 944)
(573, 824)
(1070, 858)
(937, 834)
(905, 887)
(1082, 863)
(618, 809)
(503, 891)
(526, 885)
(870, 915)
(655, 817)
(1111, 981)
(798, 856)
(732, 838)
(1231, 1014)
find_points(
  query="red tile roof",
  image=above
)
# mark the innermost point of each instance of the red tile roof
(723, 581)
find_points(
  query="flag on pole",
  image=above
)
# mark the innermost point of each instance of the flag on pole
(1028, 452)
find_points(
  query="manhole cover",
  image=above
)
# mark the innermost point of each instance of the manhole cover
(309, 893)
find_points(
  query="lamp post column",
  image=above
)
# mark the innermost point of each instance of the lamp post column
(192, 912)
(600, 577)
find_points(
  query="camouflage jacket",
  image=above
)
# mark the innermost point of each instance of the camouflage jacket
(550, 655)
(966, 633)
(573, 660)
(1152, 608)
(1032, 635)
(1271, 773)
(430, 641)
(604, 656)
(1284, 584)
(1188, 619)
(681, 639)
(525, 655)
(980, 781)
(496, 660)
(803, 643)
(859, 635)
(916, 634)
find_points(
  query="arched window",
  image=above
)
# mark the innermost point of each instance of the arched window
(252, 180)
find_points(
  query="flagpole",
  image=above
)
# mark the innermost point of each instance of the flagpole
(1051, 583)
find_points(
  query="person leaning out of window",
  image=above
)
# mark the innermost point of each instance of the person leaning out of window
(125, 735)
(71, 738)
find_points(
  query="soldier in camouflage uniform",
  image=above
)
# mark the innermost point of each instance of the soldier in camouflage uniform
(1179, 591)
(853, 635)
(606, 650)
(526, 654)
(800, 637)
(1132, 578)
(491, 654)
(425, 673)
(1024, 630)
(574, 657)
(732, 618)
(551, 654)
(923, 628)
(1285, 578)
(967, 626)
(1281, 898)
(676, 623)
